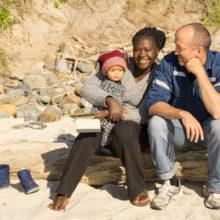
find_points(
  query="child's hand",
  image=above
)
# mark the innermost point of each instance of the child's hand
(101, 115)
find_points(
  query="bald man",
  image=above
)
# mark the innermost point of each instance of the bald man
(184, 105)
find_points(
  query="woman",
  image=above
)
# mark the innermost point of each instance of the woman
(127, 133)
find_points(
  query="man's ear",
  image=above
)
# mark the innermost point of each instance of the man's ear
(200, 52)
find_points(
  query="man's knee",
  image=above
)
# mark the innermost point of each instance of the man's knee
(215, 128)
(156, 125)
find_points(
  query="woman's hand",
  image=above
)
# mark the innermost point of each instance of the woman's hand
(101, 115)
(115, 109)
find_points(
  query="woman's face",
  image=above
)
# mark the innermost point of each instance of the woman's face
(145, 52)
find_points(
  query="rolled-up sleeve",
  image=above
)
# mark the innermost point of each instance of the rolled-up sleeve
(92, 92)
(161, 88)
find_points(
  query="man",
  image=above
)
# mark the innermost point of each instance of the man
(184, 102)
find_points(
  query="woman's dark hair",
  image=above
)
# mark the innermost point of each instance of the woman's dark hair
(158, 36)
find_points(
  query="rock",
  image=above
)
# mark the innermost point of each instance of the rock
(63, 66)
(85, 67)
(85, 104)
(45, 99)
(8, 108)
(71, 99)
(46, 95)
(14, 93)
(13, 83)
(78, 87)
(48, 117)
(4, 99)
(2, 89)
(49, 63)
(47, 161)
(26, 88)
(57, 98)
(69, 109)
(81, 112)
(35, 81)
(50, 114)
(22, 100)
(4, 115)
(16, 97)
(17, 76)
(29, 112)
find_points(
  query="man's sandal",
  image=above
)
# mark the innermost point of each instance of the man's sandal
(59, 203)
(142, 199)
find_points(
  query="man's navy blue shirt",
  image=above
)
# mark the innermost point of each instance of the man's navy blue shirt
(173, 84)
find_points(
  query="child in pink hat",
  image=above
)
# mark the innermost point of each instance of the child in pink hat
(113, 65)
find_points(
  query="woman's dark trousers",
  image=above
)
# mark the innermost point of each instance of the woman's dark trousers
(125, 142)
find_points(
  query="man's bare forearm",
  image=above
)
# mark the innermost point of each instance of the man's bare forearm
(165, 110)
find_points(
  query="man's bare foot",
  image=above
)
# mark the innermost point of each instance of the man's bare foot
(59, 203)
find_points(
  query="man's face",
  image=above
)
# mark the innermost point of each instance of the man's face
(184, 48)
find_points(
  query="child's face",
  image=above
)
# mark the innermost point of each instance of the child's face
(115, 73)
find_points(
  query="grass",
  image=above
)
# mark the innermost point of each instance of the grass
(212, 17)
(6, 19)
(58, 2)
(4, 62)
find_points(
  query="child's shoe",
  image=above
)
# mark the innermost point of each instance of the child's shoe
(107, 151)
(4, 176)
(27, 181)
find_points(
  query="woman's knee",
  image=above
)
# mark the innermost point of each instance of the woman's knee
(125, 129)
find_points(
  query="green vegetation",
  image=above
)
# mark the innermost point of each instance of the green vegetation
(6, 19)
(58, 2)
(212, 17)
(4, 62)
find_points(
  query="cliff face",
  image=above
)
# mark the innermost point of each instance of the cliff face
(42, 26)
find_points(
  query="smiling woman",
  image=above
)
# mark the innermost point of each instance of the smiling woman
(129, 135)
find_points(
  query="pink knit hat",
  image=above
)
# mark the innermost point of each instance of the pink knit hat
(113, 58)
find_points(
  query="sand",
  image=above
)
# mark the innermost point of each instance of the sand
(109, 202)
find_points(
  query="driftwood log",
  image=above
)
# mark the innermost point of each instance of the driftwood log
(47, 161)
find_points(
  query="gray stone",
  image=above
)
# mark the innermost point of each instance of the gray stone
(29, 112)
(50, 114)
(4, 115)
(69, 108)
(63, 66)
(81, 112)
(45, 95)
(18, 76)
(85, 104)
(53, 109)
(85, 67)
(35, 81)
(4, 98)
(57, 98)
(13, 83)
(15, 93)
(26, 88)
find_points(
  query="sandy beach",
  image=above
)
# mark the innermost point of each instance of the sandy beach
(109, 202)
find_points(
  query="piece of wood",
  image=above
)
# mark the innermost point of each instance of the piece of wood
(47, 161)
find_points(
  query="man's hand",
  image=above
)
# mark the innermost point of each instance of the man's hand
(115, 109)
(193, 128)
(101, 115)
(194, 66)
